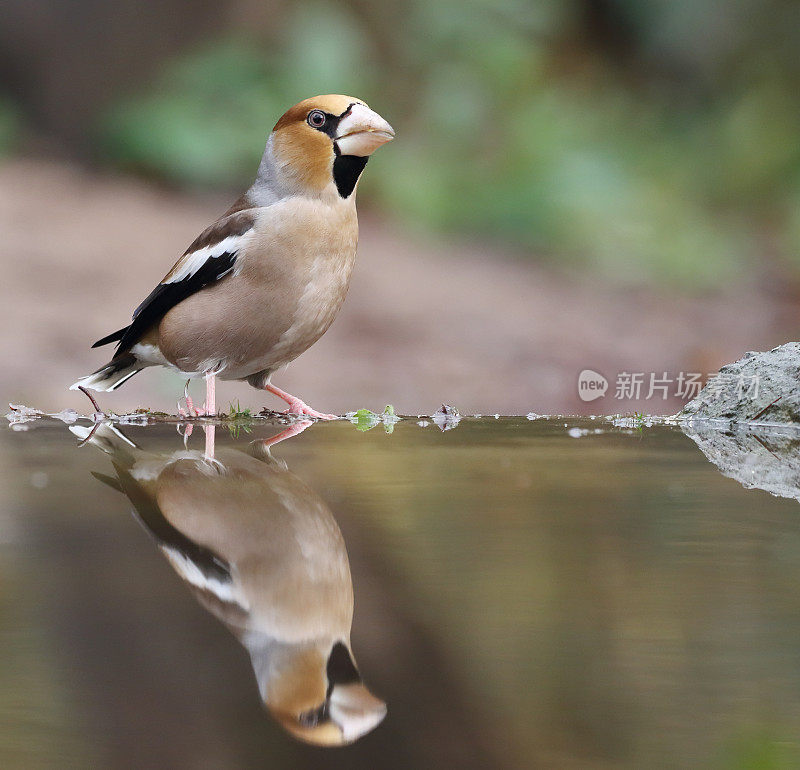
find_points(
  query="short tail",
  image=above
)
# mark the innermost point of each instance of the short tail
(112, 375)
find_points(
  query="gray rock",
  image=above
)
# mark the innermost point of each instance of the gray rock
(758, 458)
(759, 388)
(446, 417)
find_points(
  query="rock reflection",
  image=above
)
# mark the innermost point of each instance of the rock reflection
(757, 459)
(263, 553)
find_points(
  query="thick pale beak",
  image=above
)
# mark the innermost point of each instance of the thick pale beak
(355, 710)
(362, 131)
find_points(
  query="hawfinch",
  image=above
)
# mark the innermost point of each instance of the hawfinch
(264, 282)
(261, 552)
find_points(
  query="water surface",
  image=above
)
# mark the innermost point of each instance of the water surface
(548, 593)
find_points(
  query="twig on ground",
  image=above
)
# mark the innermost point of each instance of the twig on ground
(91, 398)
(766, 447)
(765, 408)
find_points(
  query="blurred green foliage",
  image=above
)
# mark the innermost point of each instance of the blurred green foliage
(648, 140)
(759, 750)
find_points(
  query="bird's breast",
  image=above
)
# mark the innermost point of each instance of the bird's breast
(284, 293)
(319, 252)
(319, 299)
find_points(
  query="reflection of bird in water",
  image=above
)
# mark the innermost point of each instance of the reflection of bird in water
(262, 552)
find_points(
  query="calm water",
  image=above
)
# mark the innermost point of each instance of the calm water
(523, 597)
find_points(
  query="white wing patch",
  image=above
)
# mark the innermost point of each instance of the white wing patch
(225, 591)
(190, 263)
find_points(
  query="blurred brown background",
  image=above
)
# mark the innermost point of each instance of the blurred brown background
(601, 184)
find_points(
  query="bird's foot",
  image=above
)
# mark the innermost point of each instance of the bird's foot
(297, 407)
(188, 428)
(301, 409)
(191, 410)
(291, 430)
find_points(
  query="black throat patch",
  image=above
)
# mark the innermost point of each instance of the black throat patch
(346, 171)
(341, 669)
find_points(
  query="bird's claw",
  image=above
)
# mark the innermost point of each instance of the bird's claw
(298, 408)
(191, 410)
(292, 430)
(187, 431)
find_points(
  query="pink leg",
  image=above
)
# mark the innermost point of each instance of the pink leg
(211, 395)
(210, 435)
(298, 407)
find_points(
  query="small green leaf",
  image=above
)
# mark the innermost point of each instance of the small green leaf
(239, 419)
(364, 419)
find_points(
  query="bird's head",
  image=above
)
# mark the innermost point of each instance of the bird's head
(323, 702)
(327, 139)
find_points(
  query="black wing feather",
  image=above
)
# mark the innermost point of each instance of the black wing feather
(166, 295)
(210, 564)
(117, 335)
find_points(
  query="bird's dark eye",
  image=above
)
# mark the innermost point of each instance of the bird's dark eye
(316, 118)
